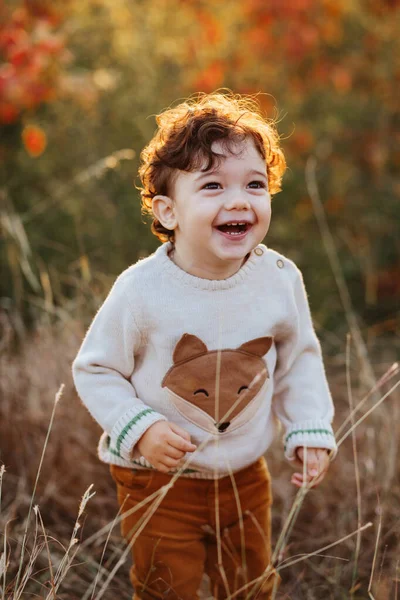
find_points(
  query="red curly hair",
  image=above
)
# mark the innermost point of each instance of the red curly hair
(184, 138)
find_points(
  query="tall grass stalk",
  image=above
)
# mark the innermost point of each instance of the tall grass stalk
(286, 530)
(91, 589)
(328, 547)
(378, 535)
(301, 559)
(62, 191)
(72, 548)
(36, 550)
(3, 557)
(4, 564)
(56, 401)
(356, 469)
(365, 415)
(386, 377)
(2, 471)
(240, 517)
(366, 371)
(140, 526)
(51, 579)
(216, 447)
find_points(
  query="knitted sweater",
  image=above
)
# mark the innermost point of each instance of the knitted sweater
(226, 360)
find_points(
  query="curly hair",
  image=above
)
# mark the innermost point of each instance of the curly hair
(184, 138)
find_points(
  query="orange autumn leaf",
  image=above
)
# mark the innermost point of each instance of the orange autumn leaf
(211, 27)
(303, 139)
(212, 77)
(342, 79)
(35, 140)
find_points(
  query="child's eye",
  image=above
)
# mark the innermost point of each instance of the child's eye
(259, 184)
(212, 183)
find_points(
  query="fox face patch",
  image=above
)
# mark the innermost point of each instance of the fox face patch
(218, 389)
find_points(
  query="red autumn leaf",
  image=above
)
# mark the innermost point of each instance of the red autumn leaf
(51, 45)
(8, 113)
(19, 57)
(35, 140)
(12, 38)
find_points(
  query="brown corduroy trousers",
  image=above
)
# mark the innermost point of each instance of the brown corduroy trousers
(220, 527)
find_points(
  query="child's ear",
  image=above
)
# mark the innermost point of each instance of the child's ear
(163, 210)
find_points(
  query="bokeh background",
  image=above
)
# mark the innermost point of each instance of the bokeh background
(80, 85)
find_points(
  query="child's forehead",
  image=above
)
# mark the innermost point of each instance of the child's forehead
(231, 153)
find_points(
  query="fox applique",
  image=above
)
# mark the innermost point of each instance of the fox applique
(218, 389)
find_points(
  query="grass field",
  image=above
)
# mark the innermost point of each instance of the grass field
(63, 555)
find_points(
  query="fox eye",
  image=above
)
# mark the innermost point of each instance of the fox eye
(244, 387)
(201, 391)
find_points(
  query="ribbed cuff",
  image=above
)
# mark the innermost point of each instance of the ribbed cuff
(313, 434)
(129, 429)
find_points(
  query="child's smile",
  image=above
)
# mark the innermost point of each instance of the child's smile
(220, 215)
(234, 229)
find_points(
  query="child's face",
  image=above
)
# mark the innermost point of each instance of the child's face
(205, 203)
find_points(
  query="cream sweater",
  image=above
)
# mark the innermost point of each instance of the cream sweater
(223, 359)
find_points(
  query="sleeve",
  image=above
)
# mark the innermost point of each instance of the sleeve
(302, 400)
(102, 371)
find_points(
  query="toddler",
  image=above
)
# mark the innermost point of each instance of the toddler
(197, 354)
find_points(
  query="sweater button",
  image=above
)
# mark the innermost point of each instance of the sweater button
(258, 251)
(280, 263)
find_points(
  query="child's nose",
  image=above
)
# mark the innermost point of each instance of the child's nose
(237, 201)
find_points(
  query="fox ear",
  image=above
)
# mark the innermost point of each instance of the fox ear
(188, 347)
(259, 346)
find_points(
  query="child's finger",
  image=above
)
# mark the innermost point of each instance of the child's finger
(177, 442)
(319, 464)
(171, 463)
(172, 452)
(161, 467)
(313, 465)
(298, 479)
(179, 431)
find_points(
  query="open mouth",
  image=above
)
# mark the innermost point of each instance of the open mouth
(234, 228)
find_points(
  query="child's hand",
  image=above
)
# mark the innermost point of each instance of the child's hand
(316, 467)
(164, 444)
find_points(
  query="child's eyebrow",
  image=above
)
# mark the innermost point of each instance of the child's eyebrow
(216, 172)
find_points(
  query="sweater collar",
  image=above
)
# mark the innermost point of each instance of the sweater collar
(179, 274)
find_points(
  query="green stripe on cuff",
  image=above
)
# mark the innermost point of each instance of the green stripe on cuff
(129, 426)
(307, 431)
(114, 452)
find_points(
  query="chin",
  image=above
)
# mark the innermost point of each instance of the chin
(234, 254)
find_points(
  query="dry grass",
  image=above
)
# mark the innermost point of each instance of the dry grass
(339, 541)
(66, 549)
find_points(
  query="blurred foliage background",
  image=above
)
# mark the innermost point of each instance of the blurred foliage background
(80, 83)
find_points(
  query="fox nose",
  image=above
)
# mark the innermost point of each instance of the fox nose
(222, 426)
